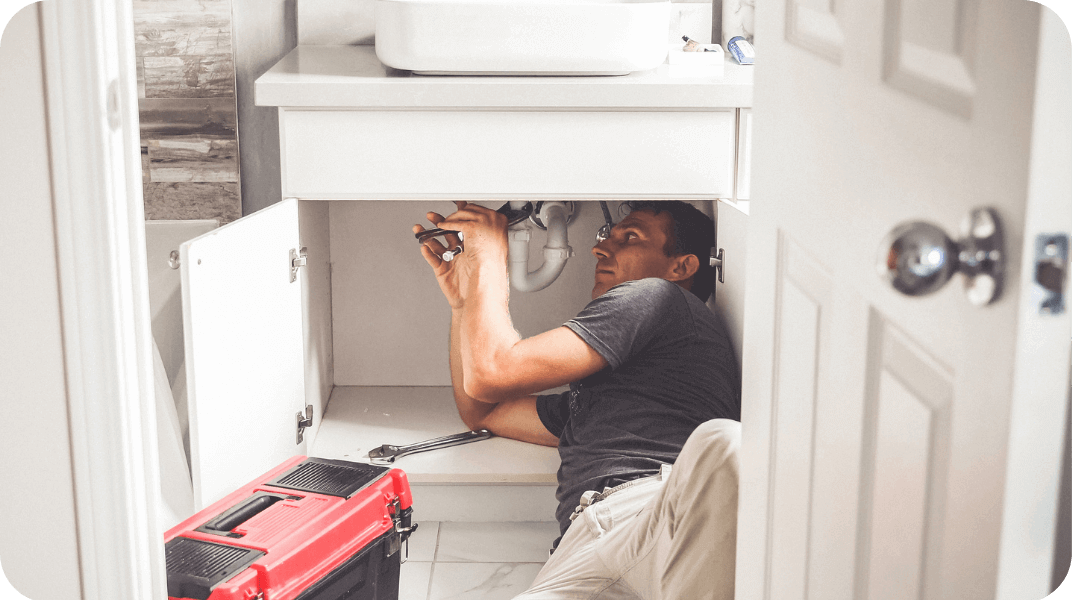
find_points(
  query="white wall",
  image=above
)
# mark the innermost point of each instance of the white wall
(38, 543)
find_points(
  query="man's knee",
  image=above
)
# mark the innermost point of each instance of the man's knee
(718, 435)
(713, 445)
(719, 427)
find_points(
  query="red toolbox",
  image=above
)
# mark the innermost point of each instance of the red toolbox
(310, 529)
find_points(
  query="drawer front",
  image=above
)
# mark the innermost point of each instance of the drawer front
(507, 154)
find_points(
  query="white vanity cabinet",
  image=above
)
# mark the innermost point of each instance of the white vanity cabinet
(259, 293)
(352, 129)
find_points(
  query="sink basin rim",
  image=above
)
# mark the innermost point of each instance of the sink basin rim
(522, 37)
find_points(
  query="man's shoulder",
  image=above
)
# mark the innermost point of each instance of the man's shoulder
(662, 300)
(649, 286)
(635, 300)
(642, 299)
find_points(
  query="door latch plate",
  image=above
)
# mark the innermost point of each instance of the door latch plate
(1051, 273)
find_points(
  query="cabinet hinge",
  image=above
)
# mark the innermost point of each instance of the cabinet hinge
(297, 260)
(304, 421)
(717, 261)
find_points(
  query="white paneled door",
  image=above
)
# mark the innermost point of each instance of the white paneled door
(895, 446)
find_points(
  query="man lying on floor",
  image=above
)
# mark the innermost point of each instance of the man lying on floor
(648, 433)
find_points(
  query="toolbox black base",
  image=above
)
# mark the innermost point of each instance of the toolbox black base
(371, 574)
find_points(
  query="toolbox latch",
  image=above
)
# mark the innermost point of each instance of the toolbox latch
(403, 527)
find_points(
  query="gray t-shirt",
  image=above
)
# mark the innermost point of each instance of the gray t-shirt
(671, 369)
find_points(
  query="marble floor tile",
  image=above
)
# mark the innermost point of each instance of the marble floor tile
(413, 580)
(422, 543)
(514, 542)
(481, 581)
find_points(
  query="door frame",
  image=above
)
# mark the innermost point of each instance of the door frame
(100, 245)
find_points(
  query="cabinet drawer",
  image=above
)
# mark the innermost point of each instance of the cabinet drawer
(356, 154)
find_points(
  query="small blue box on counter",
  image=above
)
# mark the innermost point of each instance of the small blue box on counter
(742, 50)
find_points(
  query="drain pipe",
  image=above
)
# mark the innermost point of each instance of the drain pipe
(555, 253)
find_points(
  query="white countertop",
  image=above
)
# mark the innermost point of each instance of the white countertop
(361, 418)
(352, 77)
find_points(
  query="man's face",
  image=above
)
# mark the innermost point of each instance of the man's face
(633, 251)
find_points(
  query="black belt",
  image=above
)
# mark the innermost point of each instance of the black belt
(621, 478)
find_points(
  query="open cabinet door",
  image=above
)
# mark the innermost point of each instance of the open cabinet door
(904, 446)
(244, 357)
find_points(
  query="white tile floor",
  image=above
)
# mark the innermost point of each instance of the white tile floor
(474, 561)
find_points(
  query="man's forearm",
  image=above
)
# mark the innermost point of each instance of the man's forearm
(486, 334)
(471, 410)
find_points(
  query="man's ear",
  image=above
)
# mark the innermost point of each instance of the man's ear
(684, 267)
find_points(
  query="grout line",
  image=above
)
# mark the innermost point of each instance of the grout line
(438, 533)
(428, 589)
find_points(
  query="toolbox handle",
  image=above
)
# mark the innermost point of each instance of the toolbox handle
(225, 522)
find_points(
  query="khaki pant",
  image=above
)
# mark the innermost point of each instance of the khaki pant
(656, 540)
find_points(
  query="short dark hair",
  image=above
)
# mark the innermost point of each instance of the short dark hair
(691, 232)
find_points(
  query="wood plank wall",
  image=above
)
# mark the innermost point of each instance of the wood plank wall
(186, 90)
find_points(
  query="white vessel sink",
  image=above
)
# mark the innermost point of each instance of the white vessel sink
(522, 37)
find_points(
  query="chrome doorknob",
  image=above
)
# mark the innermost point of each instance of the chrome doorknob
(918, 258)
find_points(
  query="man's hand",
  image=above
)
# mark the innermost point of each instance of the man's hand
(484, 231)
(481, 268)
(446, 273)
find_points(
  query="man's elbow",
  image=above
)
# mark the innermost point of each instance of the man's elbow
(485, 386)
(475, 415)
(478, 390)
(474, 423)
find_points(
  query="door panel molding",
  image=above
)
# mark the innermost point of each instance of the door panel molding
(906, 433)
(928, 49)
(803, 291)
